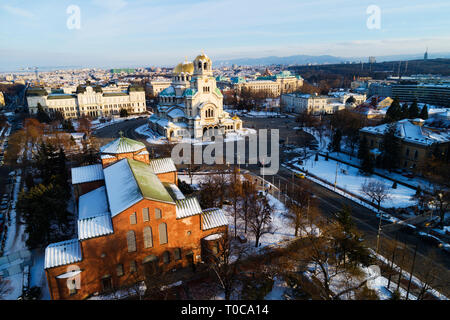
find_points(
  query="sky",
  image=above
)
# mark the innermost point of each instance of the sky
(132, 33)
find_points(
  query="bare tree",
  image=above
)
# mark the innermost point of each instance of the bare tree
(235, 194)
(298, 203)
(226, 263)
(440, 198)
(333, 280)
(376, 190)
(259, 218)
(248, 193)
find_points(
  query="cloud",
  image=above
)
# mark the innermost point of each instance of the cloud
(112, 5)
(17, 11)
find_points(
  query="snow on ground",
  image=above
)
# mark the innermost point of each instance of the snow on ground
(416, 181)
(15, 283)
(263, 114)
(37, 274)
(349, 178)
(278, 289)
(156, 138)
(15, 240)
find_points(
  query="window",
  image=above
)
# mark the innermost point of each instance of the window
(188, 233)
(72, 287)
(131, 241)
(166, 257)
(416, 154)
(145, 215)
(133, 218)
(162, 229)
(407, 152)
(106, 283)
(119, 270)
(177, 254)
(158, 213)
(148, 237)
(133, 266)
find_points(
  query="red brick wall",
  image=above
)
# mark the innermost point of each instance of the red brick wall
(171, 177)
(101, 255)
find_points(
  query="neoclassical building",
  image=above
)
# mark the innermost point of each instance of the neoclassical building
(192, 106)
(88, 100)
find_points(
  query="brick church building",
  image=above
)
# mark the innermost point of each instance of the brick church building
(133, 220)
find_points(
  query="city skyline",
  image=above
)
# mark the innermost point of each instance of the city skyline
(131, 33)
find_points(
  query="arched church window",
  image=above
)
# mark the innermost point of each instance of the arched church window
(199, 64)
(205, 66)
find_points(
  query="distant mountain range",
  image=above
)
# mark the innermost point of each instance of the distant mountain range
(322, 59)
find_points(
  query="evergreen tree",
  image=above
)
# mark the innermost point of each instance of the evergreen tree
(390, 148)
(316, 158)
(344, 217)
(394, 186)
(123, 113)
(424, 113)
(366, 159)
(335, 144)
(394, 112)
(41, 115)
(404, 112)
(413, 111)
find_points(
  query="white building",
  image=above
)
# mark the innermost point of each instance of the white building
(87, 100)
(192, 105)
(313, 104)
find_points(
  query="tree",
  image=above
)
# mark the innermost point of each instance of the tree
(365, 156)
(424, 113)
(394, 112)
(376, 191)
(440, 198)
(85, 125)
(41, 115)
(212, 191)
(123, 113)
(249, 192)
(390, 148)
(298, 204)
(235, 193)
(413, 111)
(404, 111)
(335, 144)
(259, 217)
(226, 263)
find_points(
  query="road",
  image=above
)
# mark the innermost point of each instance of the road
(329, 203)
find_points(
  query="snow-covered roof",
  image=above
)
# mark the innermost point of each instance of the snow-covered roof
(213, 218)
(87, 174)
(93, 203)
(162, 165)
(122, 145)
(188, 207)
(176, 113)
(62, 253)
(95, 226)
(174, 191)
(129, 181)
(107, 156)
(410, 132)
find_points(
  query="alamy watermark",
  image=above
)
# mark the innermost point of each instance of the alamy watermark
(374, 18)
(221, 151)
(74, 19)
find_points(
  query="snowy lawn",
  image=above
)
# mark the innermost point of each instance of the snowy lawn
(349, 178)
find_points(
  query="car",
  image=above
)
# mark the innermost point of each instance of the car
(300, 175)
(384, 217)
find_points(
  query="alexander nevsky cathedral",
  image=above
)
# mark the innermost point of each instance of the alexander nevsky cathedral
(192, 106)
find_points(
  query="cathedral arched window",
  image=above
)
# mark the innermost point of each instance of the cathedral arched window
(205, 66)
(199, 64)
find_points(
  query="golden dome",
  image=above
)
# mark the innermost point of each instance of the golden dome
(184, 67)
(235, 118)
(203, 57)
